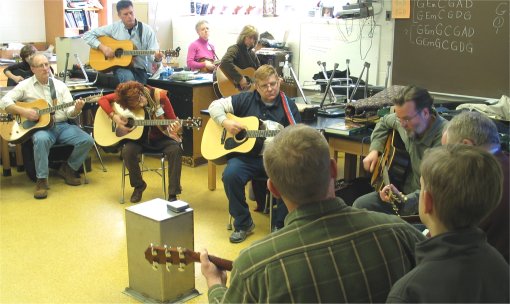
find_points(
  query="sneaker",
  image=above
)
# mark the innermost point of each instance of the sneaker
(137, 193)
(240, 235)
(41, 188)
(69, 175)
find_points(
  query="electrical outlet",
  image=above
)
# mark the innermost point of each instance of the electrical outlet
(388, 15)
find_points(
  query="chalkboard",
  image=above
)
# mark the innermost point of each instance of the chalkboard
(458, 47)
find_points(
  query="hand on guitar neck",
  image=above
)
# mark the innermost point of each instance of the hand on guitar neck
(390, 194)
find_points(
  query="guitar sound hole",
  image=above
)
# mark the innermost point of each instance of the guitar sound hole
(130, 123)
(118, 53)
(241, 135)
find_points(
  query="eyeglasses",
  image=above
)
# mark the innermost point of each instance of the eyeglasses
(42, 65)
(407, 119)
(269, 85)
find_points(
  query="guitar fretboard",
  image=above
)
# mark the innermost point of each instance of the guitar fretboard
(261, 133)
(156, 122)
(65, 105)
(137, 52)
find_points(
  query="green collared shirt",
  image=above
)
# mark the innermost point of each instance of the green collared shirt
(327, 252)
(414, 146)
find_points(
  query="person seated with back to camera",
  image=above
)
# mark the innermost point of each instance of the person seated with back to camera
(43, 87)
(155, 104)
(201, 53)
(327, 252)
(420, 127)
(456, 265)
(269, 104)
(476, 129)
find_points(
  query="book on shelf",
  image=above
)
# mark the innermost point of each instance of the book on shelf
(344, 128)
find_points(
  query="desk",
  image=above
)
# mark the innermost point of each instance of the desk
(188, 98)
(353, 146)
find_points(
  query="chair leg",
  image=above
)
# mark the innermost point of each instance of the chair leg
(85, 179)
(123, 182)
(99, 156)
(229, 225)
(163, 176)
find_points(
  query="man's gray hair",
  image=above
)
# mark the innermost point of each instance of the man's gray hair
(477, 127)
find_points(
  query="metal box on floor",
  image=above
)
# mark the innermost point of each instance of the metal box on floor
(151, 222)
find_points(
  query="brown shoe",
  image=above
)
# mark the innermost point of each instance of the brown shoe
(41, 187)
(69, 175)
(137, 193)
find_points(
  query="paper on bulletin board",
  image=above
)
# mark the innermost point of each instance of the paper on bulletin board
(401, 9)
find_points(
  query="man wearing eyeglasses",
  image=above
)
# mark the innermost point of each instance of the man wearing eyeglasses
(42, 87)
(272, 107)
(420, 127)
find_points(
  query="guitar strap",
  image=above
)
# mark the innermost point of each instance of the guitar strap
(53, 93)
(286, 108)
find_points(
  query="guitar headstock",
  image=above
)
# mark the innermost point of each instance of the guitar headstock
(192, 122)
(93, 98)
(157, 255)
(173, 53)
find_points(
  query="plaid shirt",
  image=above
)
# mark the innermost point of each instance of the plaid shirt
(327, 252)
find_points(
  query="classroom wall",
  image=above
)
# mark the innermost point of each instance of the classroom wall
(175, 30)
(22, 21)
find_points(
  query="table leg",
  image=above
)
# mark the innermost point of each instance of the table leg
(211, 175)
(6, 161)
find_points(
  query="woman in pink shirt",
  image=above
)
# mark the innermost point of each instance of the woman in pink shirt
(201, 53)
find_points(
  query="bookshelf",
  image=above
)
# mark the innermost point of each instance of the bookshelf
(61, 20)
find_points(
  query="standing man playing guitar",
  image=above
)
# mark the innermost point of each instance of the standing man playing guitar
(201, 53)
(420, 127)
(128, 28)
(54, 92)
(267, 103)
(133, 96)
(241, 56)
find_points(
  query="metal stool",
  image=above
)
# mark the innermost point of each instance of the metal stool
(161, 171)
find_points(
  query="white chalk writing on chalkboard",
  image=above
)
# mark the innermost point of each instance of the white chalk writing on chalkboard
(501, 10)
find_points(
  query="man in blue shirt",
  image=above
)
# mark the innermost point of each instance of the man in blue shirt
(128, 28)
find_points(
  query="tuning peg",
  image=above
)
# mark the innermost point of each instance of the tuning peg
(168, 256)
(181, 258)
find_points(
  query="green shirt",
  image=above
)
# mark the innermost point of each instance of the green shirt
(414, 146)
(327, 252)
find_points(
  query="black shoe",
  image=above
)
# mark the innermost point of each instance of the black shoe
(240, 235)
(172, 198)
(137, 193)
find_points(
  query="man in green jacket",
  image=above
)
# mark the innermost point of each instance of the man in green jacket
(327, 251)
(420, 127)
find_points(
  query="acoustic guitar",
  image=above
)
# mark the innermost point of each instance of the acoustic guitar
(17, 129)
(227, 87)
(392, 167)
(124, 51)
(107, 134)
(217, 143)
(204, 69)
(157, 255)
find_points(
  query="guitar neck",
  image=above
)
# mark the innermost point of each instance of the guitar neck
(137, 52)
(219, 262)
(55, 108)
(155, 122)
(261, 133)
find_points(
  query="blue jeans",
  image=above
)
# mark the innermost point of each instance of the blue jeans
(124, 75)
(372, 201)
(60, 133)
(237, 173)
